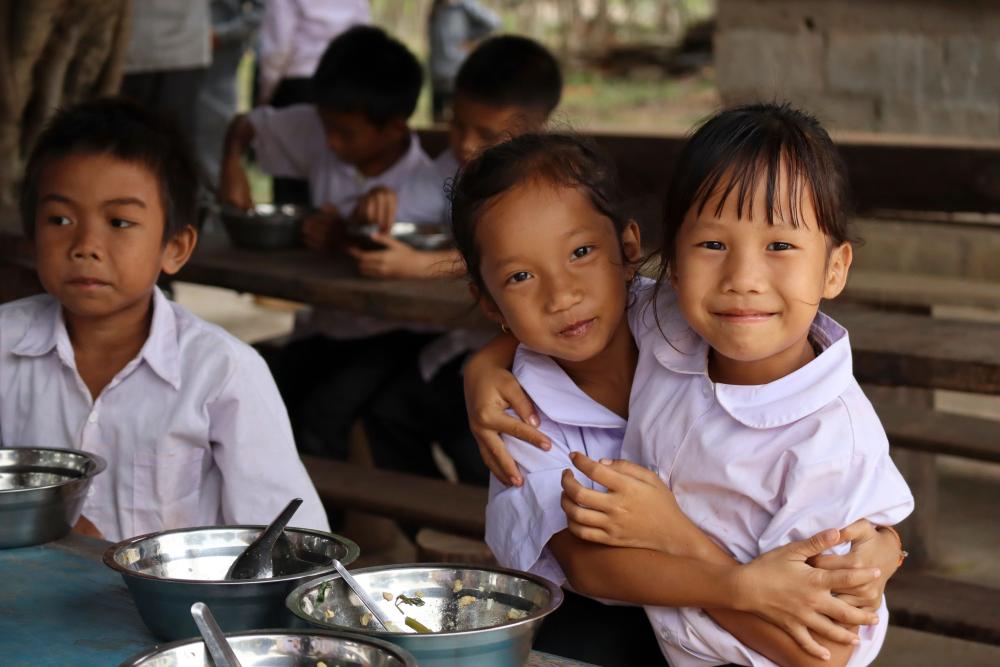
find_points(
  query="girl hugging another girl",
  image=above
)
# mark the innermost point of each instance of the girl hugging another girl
(696, 434)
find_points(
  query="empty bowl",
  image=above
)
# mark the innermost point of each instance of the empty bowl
(265, 226)
(282, 648)
(42, 492)
(168, 571)
(487, 616)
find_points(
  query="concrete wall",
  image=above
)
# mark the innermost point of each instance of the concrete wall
(906, 66)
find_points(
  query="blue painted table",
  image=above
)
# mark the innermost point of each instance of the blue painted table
(59, 606)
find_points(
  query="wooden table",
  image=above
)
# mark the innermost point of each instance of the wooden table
(59, 605)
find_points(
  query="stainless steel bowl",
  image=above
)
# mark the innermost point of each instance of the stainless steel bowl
(421, 237)
(484, 615)
(282, 648)
(42, 492)
(265, 226)
(167, 572)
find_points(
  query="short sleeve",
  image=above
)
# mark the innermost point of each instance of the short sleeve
(252, 446)
(863, 483)
(287, 141)
(521, 520)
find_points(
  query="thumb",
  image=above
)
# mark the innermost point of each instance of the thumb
(816, 544)
(388, 240)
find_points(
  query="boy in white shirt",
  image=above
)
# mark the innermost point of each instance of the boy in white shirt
(187, 417)
(363, 164)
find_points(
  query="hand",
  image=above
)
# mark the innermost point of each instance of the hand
(870, 547)
(85, 527)
(490, 389)
(234, 187)
(377, 206)
(781, 587)
(396, 260)
(323, 229)
(638, 510)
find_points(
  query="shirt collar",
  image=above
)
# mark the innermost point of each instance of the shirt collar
(47, 331)
(679, 349)
(555, 393)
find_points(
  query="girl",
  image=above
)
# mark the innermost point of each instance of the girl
(552, 259)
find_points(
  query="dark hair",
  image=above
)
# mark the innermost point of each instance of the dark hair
(119, 128)
(559, 159)
(364, 70)
(511, 71)
(737, 147)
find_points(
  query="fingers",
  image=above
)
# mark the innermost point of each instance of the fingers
(604, 475)
(835, 561)
(522, 406)
(842, 612)
(805, 640)
(823, 628)
(814, 545)
(633, 470)
(859, 531)
(581, 495)
(865, 604)
(840, 580)
(584, 516)
(518, 429)
(497, 459)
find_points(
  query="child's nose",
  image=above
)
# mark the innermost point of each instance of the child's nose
(564, 293)
(742, 273)
(86, 243)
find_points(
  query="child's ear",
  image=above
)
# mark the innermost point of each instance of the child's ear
(631, 247)
(177, 251)
(487, 305)
(837, 267)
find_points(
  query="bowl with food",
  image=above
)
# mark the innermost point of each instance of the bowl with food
(168, 571)
(42, 491)
(282, 648)
(419, 236)
(444, 614)
(265, 226)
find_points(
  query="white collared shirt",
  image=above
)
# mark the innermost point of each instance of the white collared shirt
(291, 142)
(193, 429)
(756, 467)
(521, 520)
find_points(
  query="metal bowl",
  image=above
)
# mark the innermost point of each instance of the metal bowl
(167, 572)
(282, 648)
(42, 492)
(265, 226)
(421, 237)
(485, 615)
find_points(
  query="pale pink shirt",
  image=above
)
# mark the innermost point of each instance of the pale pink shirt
(193, 429)
(291, 142)
(295, 33)
(756, 467)
(521, 520)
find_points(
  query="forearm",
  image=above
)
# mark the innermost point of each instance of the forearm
(774, 643)
(498, 353)
(239, 136)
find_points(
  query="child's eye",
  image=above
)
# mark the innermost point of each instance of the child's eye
(779, 245)
(713, 245)
(519, 277)
(60, 220)
(583, 251)
(118, 223)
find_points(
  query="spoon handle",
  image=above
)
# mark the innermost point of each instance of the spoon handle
(362, 594)
(271, 533)
(220, 650)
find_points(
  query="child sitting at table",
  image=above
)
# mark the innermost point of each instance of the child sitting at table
(187, 417)
(508, 86)
(365, 165)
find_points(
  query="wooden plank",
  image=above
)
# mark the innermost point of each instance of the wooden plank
(936, 432)
(944, 606)
(884, 288)
(425, 501)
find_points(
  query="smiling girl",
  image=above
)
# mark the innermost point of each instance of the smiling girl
(553, 259)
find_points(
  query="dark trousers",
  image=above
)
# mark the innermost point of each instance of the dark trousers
(289, 92)
(171, 93)
(326, 383)
(610, 636)
(409, 414)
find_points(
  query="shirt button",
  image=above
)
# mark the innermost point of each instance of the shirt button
(92, 418)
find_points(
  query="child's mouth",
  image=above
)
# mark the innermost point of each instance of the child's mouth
(744, 316)
(577, 329)
(87, 283)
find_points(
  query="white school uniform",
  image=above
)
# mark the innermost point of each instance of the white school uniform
(291, 142)
(521, 520)
(756, 467)
(193, 429)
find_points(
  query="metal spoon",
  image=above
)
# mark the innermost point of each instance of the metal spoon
(366, 599)
(257, 560)
(216, 643)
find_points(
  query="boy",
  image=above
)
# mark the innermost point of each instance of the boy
(363, 164)
(186, 416)
(508, 86)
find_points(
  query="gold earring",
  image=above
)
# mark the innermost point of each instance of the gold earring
(503, 328)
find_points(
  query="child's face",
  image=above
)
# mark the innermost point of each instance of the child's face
(358, 141)
(475, 126)
(99, 228)
(752, 289)
(554, 271)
